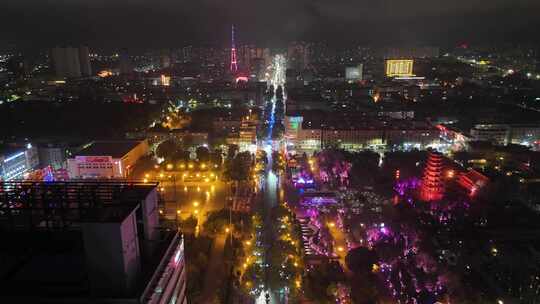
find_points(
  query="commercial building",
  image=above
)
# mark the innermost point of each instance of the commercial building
(99, 242)
(399, 67)
(504, 134)
(15, 162)
(525, 134)
(495, 133)
(106, 159)
(71, 62)
(354, 73)
(309, 133)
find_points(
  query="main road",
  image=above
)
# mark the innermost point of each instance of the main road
(270, 184)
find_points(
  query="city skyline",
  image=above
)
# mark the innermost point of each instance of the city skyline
(277, 152)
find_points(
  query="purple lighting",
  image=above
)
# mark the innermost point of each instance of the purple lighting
(402, 187)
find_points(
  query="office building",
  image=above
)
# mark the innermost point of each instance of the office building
(125, 64)
(497, 134)
(354, 73)
(298, 55)
(71, 62)
(15, 162)
(165, 59)
(106, 159)
(99, 242)
(504, 134)
(248, 54)
(84, 60)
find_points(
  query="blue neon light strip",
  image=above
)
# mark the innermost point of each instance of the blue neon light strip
(13, 157)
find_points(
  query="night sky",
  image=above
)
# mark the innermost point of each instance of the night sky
(171, 23)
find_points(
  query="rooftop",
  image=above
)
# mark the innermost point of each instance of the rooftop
(115, 149)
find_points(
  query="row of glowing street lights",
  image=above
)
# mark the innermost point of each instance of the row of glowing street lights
(286, 224)
(189, 166)
(206, 178)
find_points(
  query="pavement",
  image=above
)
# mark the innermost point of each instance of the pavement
(340, 241)
(215, 271)
(187, 198)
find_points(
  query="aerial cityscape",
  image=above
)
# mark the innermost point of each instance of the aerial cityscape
(270, 153)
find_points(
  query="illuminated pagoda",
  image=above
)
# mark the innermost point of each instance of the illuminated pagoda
(432, 186)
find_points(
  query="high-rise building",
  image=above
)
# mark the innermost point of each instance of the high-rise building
(354, 73)
(71, 62)
(187, 53)
(88, 242)
(165, 59)
(250, 53)
(125, 64)
(84, 61)
(298, 55)
(432, 185)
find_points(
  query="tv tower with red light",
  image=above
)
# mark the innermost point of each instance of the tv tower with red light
(234, 63)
